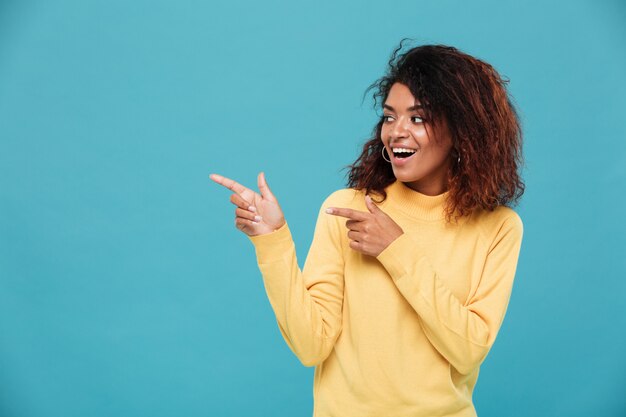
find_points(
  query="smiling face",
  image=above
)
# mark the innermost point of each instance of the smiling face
(419, 152)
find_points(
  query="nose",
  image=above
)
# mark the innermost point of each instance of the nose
(398, 129)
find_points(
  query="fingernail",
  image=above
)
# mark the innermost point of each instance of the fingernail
(258, 218)
(252, 208)
(329, 211)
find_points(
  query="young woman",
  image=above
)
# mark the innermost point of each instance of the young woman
(410, 271)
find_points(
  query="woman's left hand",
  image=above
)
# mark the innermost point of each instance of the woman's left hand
(370, 232)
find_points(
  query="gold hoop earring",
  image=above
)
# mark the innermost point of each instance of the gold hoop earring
(383, 152)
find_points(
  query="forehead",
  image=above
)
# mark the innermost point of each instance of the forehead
(400, 98)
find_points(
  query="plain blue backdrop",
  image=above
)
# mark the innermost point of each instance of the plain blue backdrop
(125, 289)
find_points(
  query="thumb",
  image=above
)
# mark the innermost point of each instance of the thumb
(264, 188)
(373, 208)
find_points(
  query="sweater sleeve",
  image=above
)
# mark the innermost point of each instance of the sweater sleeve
(463, 333)
(308, 303)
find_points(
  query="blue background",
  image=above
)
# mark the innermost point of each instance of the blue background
(125, 288)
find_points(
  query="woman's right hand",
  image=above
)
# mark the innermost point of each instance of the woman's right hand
(256, 214)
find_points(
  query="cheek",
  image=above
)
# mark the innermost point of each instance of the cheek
(384, 137)
(384, 133)
(421, 135)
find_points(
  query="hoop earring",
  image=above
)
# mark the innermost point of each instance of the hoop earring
(383, 152)
(458, 159)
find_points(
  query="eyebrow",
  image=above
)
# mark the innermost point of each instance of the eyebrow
(415, 107)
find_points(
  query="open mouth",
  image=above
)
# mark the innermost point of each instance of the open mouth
(403, 153)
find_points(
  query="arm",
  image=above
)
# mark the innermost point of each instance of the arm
(307, 303)
(462, 333)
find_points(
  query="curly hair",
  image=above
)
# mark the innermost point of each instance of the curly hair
(471, 98)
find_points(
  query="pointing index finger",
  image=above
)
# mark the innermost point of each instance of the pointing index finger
(346, 212)
(228, 183)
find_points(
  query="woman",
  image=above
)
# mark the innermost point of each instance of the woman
(402, 295)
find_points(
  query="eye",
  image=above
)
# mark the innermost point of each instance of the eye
(418, 119)
(385, 118)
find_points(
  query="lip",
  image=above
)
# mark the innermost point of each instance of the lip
(401, 161)
(398, 145)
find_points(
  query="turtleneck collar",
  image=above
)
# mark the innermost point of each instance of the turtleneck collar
(414, 203)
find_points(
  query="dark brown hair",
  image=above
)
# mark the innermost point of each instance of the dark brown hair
(471, 97)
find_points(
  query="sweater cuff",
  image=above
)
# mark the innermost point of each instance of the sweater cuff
(397, 255)
(272, 246)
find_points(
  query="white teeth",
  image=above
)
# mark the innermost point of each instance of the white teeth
(399, 150)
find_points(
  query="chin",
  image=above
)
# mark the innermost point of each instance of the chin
(401, 176)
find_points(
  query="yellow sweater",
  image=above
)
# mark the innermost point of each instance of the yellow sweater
(402, 334)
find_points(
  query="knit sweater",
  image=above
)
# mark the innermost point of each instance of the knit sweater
(402, 334)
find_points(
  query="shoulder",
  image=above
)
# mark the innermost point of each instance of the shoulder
(501, 221)
(345, 197)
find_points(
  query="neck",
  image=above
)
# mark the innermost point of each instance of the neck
(432, 186)
(416, 203)
(429, 189)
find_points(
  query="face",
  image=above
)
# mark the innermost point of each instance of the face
(419, 151)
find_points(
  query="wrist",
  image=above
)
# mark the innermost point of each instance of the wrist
(280, 225)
